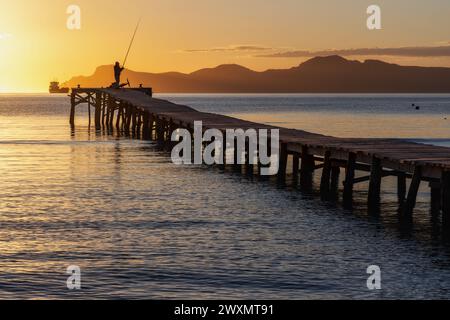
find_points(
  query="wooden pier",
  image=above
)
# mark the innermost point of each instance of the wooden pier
(136, 111)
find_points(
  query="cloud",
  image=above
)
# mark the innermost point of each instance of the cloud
(239, 48)
(440, 51)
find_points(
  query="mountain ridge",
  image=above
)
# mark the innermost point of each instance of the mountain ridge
(326, 74)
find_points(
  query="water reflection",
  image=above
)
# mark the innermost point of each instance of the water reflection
(141, 227)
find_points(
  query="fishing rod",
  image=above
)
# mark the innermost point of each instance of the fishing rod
(131, 43)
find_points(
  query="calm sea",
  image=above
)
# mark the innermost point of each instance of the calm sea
(141, 227)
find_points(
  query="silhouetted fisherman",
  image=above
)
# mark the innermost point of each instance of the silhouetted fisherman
(117, 72)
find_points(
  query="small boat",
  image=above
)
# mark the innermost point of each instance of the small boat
(54, 88)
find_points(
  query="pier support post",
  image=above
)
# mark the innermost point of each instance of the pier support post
(123, 117)
(401, 188)
(223, 160)
(89, 109)
(150, 125)
(139, 123)
(445, 186)
(307, 169)
(376, 173)
(103, 110)
(146, 126)
(159, 130)
(112, 105)
(98, 110)
(119, 116)
(249, 158)
(107, 111)
(171, 128)
(237, 157)
(413, 190)
(72, 109)
(283, 158)
(326, 175)
(128, 114)
(166, 129)
(334, 184)
(349, 177)
(295, 168)
(133, 119)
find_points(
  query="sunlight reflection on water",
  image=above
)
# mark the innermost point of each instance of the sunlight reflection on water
(141, 227)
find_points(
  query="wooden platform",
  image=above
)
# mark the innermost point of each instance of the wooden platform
(136, 110)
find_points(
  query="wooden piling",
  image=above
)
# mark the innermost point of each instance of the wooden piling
(72, 109)
(98, 110)
(401, 188)
(103, 97)
(146, 126)
(159, 130)
(128, 114)
(89, 109)
(123, 117)
(112, 106)
(349, 177)
(237, 158)
(107, 112)
(413, 190)
(334, 183)
(139, 123)
(283, 158)
(119, 116)
(166, 129)
(326, 175)
(224, 152)
(307, 169)
(295, 168)
(376, 174)
(151, 125)
(133, 119)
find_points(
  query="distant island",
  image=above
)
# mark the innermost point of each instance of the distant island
(331, 74)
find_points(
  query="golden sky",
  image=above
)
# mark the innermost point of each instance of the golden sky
(185, 35)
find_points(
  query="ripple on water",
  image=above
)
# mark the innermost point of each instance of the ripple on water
(141, 227)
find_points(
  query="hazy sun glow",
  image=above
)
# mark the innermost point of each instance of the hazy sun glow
(36, 47)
